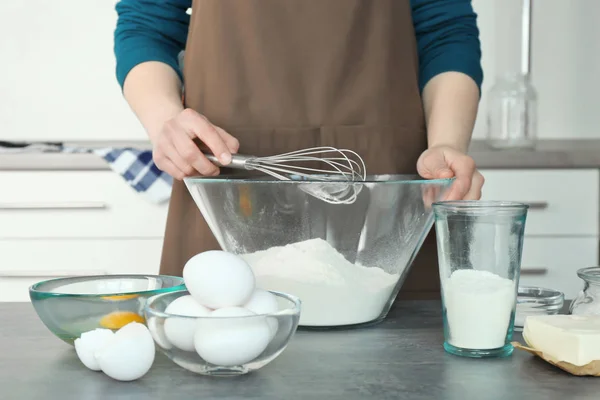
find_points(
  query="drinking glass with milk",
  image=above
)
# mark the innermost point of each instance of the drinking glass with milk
(480, 244)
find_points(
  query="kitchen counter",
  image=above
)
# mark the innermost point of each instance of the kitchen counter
(549, 154)
(401, 358)
(27, 161)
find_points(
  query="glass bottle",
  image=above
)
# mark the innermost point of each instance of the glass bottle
(588, 300)
(512, 113)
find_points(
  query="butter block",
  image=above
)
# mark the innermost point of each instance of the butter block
(571, 338)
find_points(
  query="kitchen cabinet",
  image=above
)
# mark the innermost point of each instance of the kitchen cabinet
(61, 223)
(562, 230)
(553, 262)
(562, 202)
(58, 79)
(75, 204)
(25, 262)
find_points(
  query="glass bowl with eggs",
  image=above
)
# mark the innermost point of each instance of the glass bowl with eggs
(223, 324)
(71, 306)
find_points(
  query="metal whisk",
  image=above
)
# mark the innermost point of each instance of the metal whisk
(342, 166)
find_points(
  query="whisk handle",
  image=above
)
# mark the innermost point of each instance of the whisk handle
(238, 161)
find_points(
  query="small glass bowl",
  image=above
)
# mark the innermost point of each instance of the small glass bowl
(533, 300)
(73, 305)
(229, 345)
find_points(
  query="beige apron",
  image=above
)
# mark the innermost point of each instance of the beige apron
(282, 75)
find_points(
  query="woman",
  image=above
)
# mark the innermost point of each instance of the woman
(395, 80)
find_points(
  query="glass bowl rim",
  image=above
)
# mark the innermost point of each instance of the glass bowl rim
(553, 295)
(480, 205)
(411, 179)
(295, 309)
(589, 274)
(35, 288)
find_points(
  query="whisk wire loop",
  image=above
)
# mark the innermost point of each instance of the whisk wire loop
(340, 176)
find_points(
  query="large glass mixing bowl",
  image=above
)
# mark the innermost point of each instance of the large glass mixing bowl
(346, 262)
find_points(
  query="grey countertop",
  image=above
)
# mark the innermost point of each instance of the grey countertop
(548, 154)
(401, 358)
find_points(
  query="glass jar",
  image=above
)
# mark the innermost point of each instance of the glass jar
(588, 300)
(512, 113)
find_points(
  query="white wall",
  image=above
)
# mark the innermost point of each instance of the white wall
(57, 72)
(565, 61)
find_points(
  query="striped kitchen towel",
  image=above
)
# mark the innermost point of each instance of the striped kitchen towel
(134, 165)
(138, 170)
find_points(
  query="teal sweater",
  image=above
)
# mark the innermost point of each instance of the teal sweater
(156, 30)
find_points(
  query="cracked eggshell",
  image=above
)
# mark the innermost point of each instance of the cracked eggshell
(129, 354)
(89, 343)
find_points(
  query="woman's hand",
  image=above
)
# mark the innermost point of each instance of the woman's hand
(154, 92)
(175, 152)
(442, 162)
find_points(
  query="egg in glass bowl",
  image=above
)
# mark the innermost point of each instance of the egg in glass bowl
(72, 306)
(226, 341)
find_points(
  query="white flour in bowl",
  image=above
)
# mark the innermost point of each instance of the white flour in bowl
(333, 291)
(478, 306)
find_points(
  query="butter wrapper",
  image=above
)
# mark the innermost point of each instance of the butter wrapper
(590, 369)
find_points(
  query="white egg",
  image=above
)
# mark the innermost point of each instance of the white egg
(180, 331)
(264, 302)
(129, 354)
(229, 342)
(89, 343)
(219, 279)
(157, 330)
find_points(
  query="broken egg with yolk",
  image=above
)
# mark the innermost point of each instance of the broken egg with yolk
(120, 297)
(118, 319)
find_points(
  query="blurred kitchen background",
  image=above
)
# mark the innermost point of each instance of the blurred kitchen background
(68, 214)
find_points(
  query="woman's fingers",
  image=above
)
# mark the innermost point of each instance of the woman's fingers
(176, 149)
(464, 170)
(165, 164)
(198, 126)
(167, 146)
(191, 155)
(477, 182)
(232, 143)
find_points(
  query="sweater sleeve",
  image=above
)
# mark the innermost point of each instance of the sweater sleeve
(447, 39)
(150, 30)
